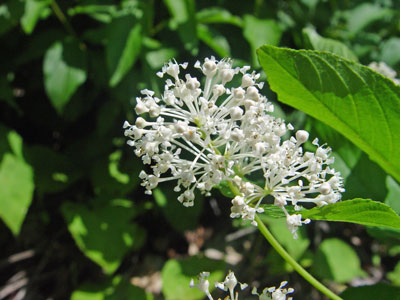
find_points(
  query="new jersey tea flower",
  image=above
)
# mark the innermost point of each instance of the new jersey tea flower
(200, 136)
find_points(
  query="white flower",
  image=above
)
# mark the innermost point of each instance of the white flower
(230, 283)
(385, 70)
(202, 284)
(273, 293)
(201, 135)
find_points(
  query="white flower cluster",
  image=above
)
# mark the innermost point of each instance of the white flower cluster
(230, 283)
(202, 137)
(385, 70)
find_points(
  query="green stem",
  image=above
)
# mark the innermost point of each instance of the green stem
(63, 19)
(286, 256)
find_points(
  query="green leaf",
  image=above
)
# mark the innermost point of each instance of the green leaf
(381, 291)
(214, 40)
(359, 211)
(116, 288)
(181, 218)
(100, 12)
(363, 178)
(176, 276)
(259, 32)
(356, 101)
(366, 180)
(157, 58)
(54, 171)
(394, 276)
(390, 51)
(184, 20)
(393, 196)
(217, 15)
(363, 15)
(104, 234)
(33, 11)
(123, 47)
(273, 211)
(10, 14)
(295, 247)
(64, 69)
(16, 181)
(336, 260)
(317, 42)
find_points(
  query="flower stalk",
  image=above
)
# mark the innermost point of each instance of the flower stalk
(290, 260)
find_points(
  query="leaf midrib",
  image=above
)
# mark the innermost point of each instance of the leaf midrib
(362, 141)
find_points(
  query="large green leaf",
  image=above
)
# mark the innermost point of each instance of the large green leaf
(356, 101)
(104, 234)
(317, 42)
(64, 69)
(123, 46)
(16, 181)
(360, 211)
(336, 260)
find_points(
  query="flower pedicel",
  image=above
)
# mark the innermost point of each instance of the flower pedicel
(200, 137)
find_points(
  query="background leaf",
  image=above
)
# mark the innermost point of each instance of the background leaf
(359, 103)
(104, 234)
(372, 292)
(336, 260)
(123, 46)
(176, 276)
(64, 69)
(184, 20)
(317, 42)
(259, 32)
(16, 181)
(116, 288)
(33, 11)
(181, 218)
(217, 15)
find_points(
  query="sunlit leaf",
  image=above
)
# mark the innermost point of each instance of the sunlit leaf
(104, 234)
(359, 211)
(16, 181)
(317, 42)
(337, 261)
(33, 11)
(359, 103)
(64, 69)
